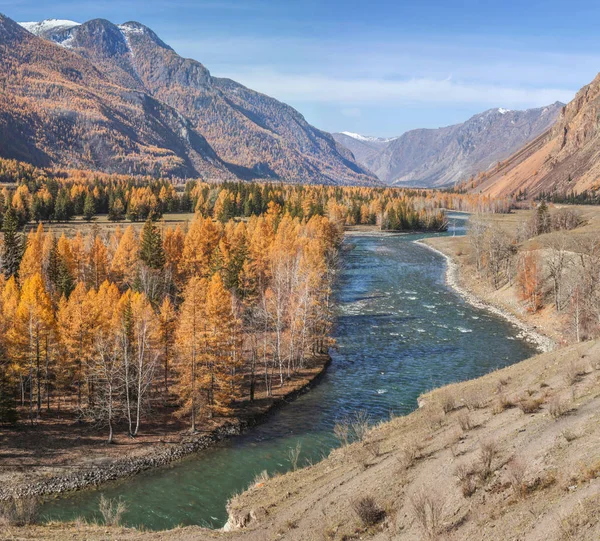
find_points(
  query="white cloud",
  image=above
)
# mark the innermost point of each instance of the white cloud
(353, 91)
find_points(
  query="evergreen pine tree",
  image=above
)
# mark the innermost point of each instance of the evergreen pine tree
(89, 207)
(151, 248)
(63, 210)
(12, 251)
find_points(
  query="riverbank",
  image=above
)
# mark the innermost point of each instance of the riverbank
(31, 470)
(456, 270)
(511, 454)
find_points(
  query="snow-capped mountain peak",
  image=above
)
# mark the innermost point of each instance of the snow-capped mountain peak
(367, 138)
(503, 111)
(41, 27)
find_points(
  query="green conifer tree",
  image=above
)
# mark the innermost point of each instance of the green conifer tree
(151, 248)
(12, 251)
(89, 207)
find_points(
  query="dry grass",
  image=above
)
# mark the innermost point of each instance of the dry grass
(464, 420)
(487, 453)
(502, 403)
(569, 435)
(112, 510)
(475, 400)
(584, 515)
(516, 469)
(360, 425)
(261, 478)
(447, 401)
(574, 372)
(559, 406)
(19, 512)
(409, 454)
(294, 455)
(528, 404)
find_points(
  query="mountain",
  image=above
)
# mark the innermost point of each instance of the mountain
(119, 99)
(364, 148)
(437, 157)
(565, 159)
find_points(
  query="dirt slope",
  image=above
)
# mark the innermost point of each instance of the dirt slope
(564, 159)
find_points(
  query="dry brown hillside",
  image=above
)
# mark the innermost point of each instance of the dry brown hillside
(564, 159)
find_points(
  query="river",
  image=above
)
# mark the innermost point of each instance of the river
(400, 332)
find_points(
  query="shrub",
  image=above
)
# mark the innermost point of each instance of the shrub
(466, 479)
(475, 400)
(294, 455)
(111, 510)
(360, 424)
(447, 402)
(487, 452)
(19, 511)
(428, 509)
(368, 511)
(516, 470)
(559, 406)
(530, 405)
(464, 421)
(410, 453)
(341, 431)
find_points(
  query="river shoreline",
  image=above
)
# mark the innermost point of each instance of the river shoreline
(114, 470)
(541, 341)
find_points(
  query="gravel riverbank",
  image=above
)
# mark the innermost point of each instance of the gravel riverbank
(542, 342)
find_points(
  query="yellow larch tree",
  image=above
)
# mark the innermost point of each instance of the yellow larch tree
(191, 345)
(220, 375)
(33, 257)
(125, 261)
(34, 321)
(167, 326)
(200, 243)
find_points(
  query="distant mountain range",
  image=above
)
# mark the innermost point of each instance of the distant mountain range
(563, 160)
(118, 99)
(438, 157)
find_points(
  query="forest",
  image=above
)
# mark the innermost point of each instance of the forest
(58, 196)
(115, 325)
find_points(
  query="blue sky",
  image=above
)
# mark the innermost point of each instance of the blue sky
(377, 68)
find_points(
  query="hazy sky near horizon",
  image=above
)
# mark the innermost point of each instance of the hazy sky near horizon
(376, 68)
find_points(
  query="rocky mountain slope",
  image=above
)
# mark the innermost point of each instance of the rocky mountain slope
(566, 159)
(119, 99)
(437, 157)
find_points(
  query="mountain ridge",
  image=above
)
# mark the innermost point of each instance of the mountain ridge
(142, 108)
(564, 160)
(434, 157)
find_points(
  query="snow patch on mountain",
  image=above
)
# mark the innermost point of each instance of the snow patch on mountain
(367, 138)
(129, 28)
(40, 27)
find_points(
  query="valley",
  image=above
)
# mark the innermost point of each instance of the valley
(220, 321)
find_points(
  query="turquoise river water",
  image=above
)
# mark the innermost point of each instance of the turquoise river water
(400, 331)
